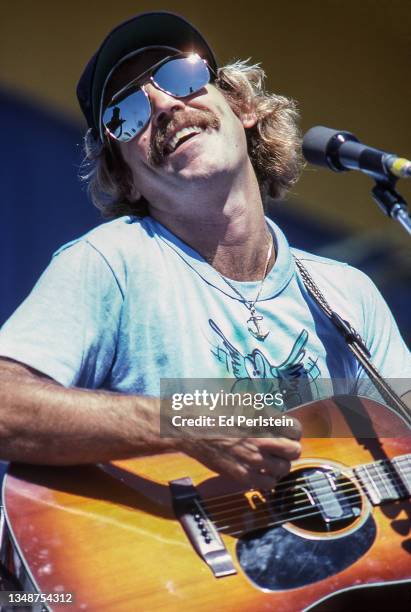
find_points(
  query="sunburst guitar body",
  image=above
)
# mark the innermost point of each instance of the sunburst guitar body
(163, 533)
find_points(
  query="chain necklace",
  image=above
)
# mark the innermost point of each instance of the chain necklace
(254, 322)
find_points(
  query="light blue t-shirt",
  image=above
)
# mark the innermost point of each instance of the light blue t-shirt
(129, 304)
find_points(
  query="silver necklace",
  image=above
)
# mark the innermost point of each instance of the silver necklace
(254, 323)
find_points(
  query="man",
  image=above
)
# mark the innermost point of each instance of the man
(193, 283)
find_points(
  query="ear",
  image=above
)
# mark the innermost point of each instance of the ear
(248, 119)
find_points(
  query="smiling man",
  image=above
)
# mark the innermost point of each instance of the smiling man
(189, 280)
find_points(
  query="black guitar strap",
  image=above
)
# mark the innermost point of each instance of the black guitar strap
(355, 343)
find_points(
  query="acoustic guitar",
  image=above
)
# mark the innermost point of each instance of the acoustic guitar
(162, 532)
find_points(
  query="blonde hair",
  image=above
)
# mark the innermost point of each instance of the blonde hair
(274, 145)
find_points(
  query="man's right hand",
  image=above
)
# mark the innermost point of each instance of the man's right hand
(252, 462)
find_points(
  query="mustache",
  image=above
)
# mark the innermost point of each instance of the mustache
(203, 118)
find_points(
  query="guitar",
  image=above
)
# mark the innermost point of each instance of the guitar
(164, 533)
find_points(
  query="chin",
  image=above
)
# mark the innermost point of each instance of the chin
(198, 167)
(209, 165)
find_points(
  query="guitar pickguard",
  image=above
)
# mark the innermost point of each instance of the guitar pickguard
(266, 560)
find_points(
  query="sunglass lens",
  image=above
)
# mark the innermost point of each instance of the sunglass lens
(125, 119)
(182, 77)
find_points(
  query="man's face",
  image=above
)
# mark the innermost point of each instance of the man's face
(187, 140)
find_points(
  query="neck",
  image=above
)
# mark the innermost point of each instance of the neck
(227, 229)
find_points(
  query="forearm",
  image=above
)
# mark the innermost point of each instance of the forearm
(42, 422)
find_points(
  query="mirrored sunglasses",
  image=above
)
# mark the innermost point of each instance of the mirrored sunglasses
(129, 110)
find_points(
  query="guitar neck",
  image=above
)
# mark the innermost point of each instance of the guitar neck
(386, 480)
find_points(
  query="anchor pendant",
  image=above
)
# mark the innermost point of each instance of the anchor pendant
(258, 333)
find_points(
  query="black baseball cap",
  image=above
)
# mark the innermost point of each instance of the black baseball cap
(157, 28)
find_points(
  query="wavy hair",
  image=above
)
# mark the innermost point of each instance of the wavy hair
(274, 145)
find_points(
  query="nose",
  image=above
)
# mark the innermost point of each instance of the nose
(163, 105)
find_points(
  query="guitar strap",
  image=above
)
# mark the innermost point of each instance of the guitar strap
(354, 342)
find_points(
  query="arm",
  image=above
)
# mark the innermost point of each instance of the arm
(42, 422)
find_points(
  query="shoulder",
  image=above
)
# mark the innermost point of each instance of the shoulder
(112, 245)
(348, 290)
(317, 261)
(111, 237)
(338, 274)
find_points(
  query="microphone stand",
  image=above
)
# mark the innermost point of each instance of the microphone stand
(391, 202)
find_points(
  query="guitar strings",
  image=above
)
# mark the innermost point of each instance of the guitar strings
(377, 479)
(216, 501)
(298, 492)
(264, 510)
(284, 484)
(273, 523)
(274, 504)
(268, 492)
(347, 487)
(280, 518)
(278, 504)
(280, 485)
(297, 509)
(259, 519)
(270, 504)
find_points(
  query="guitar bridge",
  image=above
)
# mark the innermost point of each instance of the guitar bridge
(199, 529)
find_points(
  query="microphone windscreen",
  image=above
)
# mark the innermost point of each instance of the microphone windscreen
(315, 144)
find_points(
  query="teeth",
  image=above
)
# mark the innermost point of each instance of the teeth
(192, 129)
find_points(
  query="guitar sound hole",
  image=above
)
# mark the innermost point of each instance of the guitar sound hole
(322, 500)
(316, 500)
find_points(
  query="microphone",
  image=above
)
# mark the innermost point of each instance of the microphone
(340, 150)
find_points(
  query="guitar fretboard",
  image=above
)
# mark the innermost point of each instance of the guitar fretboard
(386, 480)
